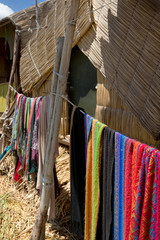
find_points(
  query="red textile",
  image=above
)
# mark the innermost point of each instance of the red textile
(17, 177)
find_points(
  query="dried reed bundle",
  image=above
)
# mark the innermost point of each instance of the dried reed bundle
(19, 203)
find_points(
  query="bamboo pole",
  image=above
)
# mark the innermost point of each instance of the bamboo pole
(55, 78)
(13, 69)
(53, 90)
(55, 123)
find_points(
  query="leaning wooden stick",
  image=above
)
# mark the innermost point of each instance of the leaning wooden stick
(53, 90)
(55, 123)
(55, 78)
(14, 65)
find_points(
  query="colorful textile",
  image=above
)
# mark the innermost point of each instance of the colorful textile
(158, 195)
(35, 150)
(31, 167)
(148, 225)
(87, 126)
(129, 163)
(30, 124)
(138, 151)
(17, 176)
(145, 217)
(20, 126)
(89, 185)
(25, 131)
(14, 126)
(27, 113)
(106, 190)
(93, 179)
(118, 207)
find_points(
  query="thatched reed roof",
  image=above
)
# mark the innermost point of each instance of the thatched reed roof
(124, 45)
(25, 19)
(39, 54)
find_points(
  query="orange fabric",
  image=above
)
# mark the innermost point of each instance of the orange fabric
(89, 184)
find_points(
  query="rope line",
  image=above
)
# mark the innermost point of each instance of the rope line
(62, 96)
(56, 94)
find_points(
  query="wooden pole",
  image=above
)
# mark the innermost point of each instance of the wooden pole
(52, 96)
(38, 228)
(13, 69)
(55, 78)
(55, 123)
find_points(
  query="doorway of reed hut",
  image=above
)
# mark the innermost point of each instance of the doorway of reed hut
(5, 68)
(82, 82)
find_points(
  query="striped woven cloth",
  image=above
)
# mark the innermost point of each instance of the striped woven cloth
(29, 134)
(136, 207)
(145, 215)
(135, 187)
(92, 196)
(118, 206)
(87, 126)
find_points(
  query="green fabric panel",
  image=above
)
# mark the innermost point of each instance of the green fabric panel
(3, 93)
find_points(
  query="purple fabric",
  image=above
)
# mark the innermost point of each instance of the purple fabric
(24, 104)
(87, 126)
(35, 150)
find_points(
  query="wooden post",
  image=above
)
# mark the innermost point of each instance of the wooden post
(53, 90)
(55, 78)
(55, 123)
(13, 69)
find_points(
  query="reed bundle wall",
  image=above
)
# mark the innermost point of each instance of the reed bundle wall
(122, 42)
(112, 110)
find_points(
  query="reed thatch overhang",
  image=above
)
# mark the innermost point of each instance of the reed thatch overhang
(123, 42)
(25, 20)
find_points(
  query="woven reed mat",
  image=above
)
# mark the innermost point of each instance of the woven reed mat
(123, 43)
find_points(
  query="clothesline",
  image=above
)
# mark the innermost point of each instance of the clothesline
(56, 94)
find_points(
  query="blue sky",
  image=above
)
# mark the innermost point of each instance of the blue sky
(9, 6)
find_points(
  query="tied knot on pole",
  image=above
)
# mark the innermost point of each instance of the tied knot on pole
(46, 182)
(72, 22)
(60, 75)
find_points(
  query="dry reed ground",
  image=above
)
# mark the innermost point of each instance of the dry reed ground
(19, 203)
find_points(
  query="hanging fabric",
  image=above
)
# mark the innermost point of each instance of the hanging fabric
(78, 171)
(92, 196)
(105, 222)
(29, 141)
(122, 188)
(35, 149)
